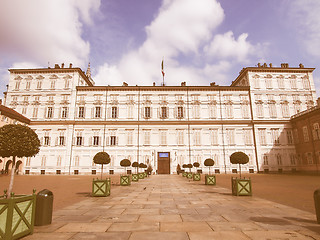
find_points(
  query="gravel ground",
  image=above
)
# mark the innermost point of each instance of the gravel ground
(291, 190)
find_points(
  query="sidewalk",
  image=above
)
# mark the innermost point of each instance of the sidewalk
(171, 207)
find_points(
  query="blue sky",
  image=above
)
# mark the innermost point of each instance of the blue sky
(124, 40)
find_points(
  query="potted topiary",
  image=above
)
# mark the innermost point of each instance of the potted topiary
(189, 174)
(101, 187)
(17, 212)
(184, 174)
(196, 176)
(149, 169)
(144, 166)
(125, 180)
(240, 187)
(135, 176)
(141, 174)
(209, 179)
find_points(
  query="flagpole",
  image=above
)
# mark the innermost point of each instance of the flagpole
(162, 71)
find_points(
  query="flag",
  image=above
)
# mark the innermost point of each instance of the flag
(162, 68)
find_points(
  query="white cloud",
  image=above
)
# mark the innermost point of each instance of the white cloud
(305, 17)
(46, 30)
(226, 46)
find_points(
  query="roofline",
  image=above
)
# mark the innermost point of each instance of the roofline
(162, 88)
(9, 112)
(51, 70)
(270, 69)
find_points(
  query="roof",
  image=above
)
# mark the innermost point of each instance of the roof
(9, 112)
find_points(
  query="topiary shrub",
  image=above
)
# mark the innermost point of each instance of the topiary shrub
(17, 141)
(101, 158)
(196, 165)
(239, 158)
(209, 162)
(189, 166)
(125, 163)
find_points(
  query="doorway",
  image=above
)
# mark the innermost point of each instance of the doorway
(163, 162)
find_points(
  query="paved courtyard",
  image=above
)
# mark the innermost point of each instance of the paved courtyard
(172, 207)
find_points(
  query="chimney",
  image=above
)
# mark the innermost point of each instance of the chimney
(259, 65)
(70, 66)
(301, 65)
(56, 66)
(265, 65)
(270, 64)
(183, 84)
(212, 84)
(154, 84)
(284, 65)
(62, 65)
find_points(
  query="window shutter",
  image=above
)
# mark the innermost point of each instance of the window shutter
(175, 112)
(91, 141)
(109, 112)
(151, 112)
(57, 141)
(117, 139)
(92, 112)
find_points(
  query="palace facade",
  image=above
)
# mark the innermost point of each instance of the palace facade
(161, 125)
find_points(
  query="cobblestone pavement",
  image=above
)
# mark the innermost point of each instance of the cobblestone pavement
(173, 207)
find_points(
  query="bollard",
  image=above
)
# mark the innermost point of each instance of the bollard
(316, 197)
(44, 207)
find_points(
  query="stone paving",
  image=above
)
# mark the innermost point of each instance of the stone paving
(172, 207)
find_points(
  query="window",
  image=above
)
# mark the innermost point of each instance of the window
(230, 136)
(79, 141)
(259, 109)
(97, 112)
(39, 84)
(265, 160)
(285, 110)
(309, 158)
(147, 112)
(17, 86)
(49, 112)
(64, 112)
(247, 136)
(52, 84)
(46, 141)
(66, 83)
(279, 159)
(81, 112)
(305, 82)
(289, 137)
(96, 140)
(147, 137)
(113, 140)
(293, 82)
(163, 113)
(197, 138)
(163, 137)
(229, 110)
(305, 134)
(61, 140)
(316, 131)
(268, 82)
(196, 111)
(43, 161)
(28, 161)
(292, 159)
(297, 107)
(214, 136)
(275, 136)
(129, 137)
(213, 111)
(262, 136)
(24, 111)
(130, 111)
(59, 161)
(180, 137)
(272, 110)
(114, 112)
(28, 83)
(180, 112)
(245, 110)
(281, 82)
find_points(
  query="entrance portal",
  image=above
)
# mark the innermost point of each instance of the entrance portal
(163, 163)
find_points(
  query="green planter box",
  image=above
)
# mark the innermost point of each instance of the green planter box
(196, 177)
(17, 216)
(101, 188)
(125, 180)
(184, 174)
(135, 177)
(145, 174)
(141, 175)
(210, 179)
(189, 175)
(241, 187)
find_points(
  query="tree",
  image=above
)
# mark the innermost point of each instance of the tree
(196, 165)
(135, 165)
(17, 141)
(209, 162)
(239, 158)
(101, 158)
(125, 163)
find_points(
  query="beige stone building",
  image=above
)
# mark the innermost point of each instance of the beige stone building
(161, 125)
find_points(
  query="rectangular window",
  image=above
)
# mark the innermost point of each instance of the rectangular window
(147, 138)
(293, 83)
(64, 112)
(279, 159)
(213, 110)
(81, 112)
(24, 111)
(114, 112)
(309, 158)
(229, 110)
(79, 141)
(289, 137)
(66, 83)
(196, 111)
(50, 112)
(281, 83)
(262, 136)
(306, 84)
(247, 136)
(35, 112)
(275, 136)
(305, 134)
(180, 112)
(285, 110)
(17, 86)
(130, 111)
(214, 137)
(268, 82)
(97, 112)
(113, 140)
(61, 140)
(163, 138)
(316, 131)
(265, 160)
(129, 137)
(292, 159)
(39, 84)
(164, 112)
(180, 137)
(230, 136)
(147, 112)
(46, 141)
(28, 85)
(96, 140)
(272, 110)
(259, 109)
(53, 84)
(245, 110)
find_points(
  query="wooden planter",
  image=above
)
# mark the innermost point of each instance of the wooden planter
(189, 175)
(135, 177)
(184, 174)
(141, 175)
(145, 174)
(125, 180)
(196, 177)
(17, 215)
(210, 179)
(241, 187)
(101, 188)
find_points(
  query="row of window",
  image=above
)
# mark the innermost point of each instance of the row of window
(295, 159)
(281, 83)
(39, 85)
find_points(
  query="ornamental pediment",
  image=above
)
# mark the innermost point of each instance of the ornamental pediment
(53, 76)
(17, 78)
(29, 77)
(40, 77)
(67, 77)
